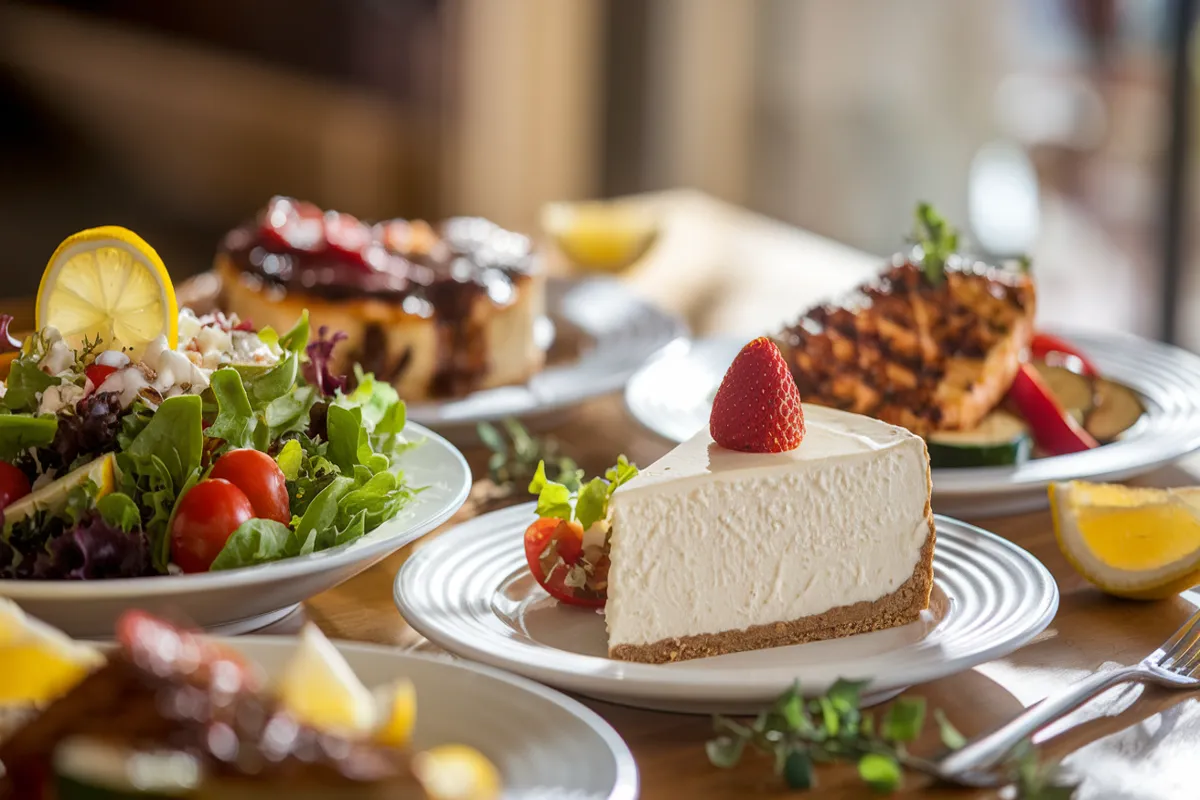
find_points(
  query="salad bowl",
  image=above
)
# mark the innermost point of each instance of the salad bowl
(244, 599)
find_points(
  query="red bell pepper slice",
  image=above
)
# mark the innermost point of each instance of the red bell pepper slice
(1051, 349)
(1054, 430)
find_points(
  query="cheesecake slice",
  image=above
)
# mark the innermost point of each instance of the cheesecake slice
(717, 551)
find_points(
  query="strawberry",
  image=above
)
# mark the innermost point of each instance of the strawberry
(757, 408)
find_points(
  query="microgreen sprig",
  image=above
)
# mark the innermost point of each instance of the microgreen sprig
(937, 239)
(516, 454)
(800, 733)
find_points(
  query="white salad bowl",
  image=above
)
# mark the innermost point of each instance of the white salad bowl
(245, 599)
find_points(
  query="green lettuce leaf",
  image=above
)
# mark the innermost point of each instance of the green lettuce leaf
(318, 524)
(25, 381)
(19, 432)
(345, 431)
(554, 499)
(119, 510)
(274, 383)
(174, 435)
(377, 500)
(290, 459)
(235, 422)
(290, 412)
(587, 506)
(256, 541)
(296, 339)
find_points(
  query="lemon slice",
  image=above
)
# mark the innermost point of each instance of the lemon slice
(456, 772)
(320, 689)
(39, 662)
(603, 237)
(53, 496)
(108, 282)
(1131, 542)
(396, 708)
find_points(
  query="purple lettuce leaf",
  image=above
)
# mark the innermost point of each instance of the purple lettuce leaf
(8, 342)
(316, 370)
(94, 550)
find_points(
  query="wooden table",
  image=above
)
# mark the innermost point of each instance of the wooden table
(730, 271)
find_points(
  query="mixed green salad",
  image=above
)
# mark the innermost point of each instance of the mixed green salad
(234, 448)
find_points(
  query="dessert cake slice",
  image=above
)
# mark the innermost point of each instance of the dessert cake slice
(436, 312)
(777, 525)
(931, 344)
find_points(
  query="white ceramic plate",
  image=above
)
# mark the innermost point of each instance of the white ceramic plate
(545, 745)
(614, 332)
(470, 592)
(239, 600)
(672, 396)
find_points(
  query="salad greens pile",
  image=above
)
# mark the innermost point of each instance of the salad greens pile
(108, 477)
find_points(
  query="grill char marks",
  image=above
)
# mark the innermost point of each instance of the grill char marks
(921, 355)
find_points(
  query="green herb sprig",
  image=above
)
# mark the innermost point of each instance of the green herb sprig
(800, 733)
(937, 239)
(516, 455)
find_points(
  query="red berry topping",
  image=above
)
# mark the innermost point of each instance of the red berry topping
(757, 408)
(291, 223)
(347, 236)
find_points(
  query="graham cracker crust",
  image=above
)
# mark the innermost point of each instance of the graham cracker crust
(898, 608)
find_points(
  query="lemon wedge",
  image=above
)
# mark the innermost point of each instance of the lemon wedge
(53, 496)
(320, 689)
(108, 282)
(1131, 542)
(40, 663)
(396, 709)
(456, 772)
(599, 236)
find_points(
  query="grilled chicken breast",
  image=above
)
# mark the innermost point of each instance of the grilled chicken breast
(925, 355)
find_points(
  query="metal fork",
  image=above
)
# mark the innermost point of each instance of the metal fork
(1175, 665)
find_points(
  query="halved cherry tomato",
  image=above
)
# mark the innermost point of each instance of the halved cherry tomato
(260, 479)
(13, 484)
(207, 515)
(565, 538)
(1059, 352)
(96, 373)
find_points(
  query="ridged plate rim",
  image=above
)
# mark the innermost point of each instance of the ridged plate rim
(999, 598)
(1167, 378)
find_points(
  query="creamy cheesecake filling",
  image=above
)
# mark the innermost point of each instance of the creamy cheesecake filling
(708, 540)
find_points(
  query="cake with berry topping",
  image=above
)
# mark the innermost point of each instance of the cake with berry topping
(438, 312)
(779, 524)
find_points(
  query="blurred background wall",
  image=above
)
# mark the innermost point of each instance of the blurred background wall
(1041, 125)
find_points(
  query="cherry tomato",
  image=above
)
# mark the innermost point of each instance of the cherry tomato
(13, 484)
(260, 479)
(566, 539)
(207, 515)
(96, 373)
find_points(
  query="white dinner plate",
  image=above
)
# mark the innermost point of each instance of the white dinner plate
(240, 600)
(469, 591)
(672, 396)
(545, 745)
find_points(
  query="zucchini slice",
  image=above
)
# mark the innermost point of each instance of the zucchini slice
(1117, 408)
(1074, 392)
(89, 768)
(1002, 439)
